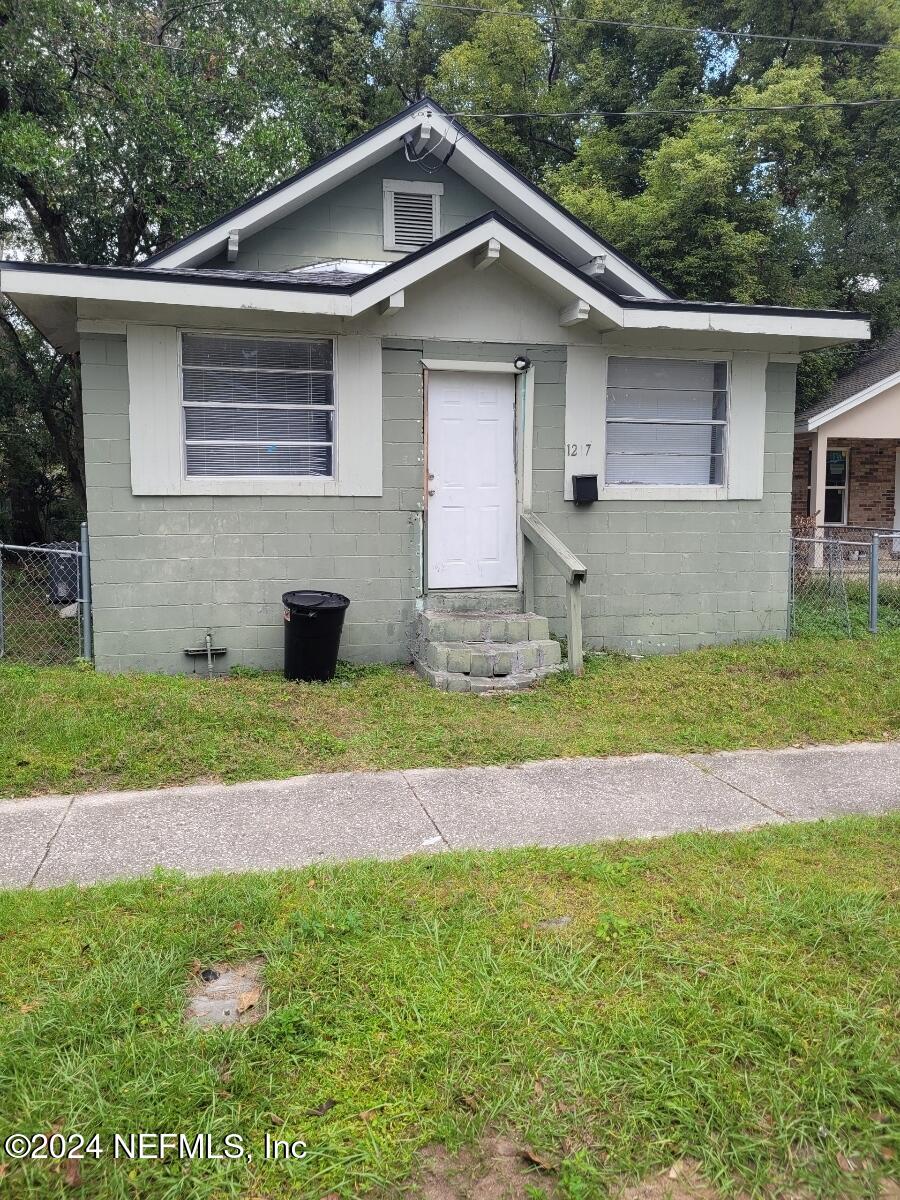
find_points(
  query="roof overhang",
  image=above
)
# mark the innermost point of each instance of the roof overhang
(429, 127)
(48, 293)
(810, 424)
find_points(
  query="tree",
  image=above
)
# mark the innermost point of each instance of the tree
(123, 127)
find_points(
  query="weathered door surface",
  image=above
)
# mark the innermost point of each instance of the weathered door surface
(472, 480)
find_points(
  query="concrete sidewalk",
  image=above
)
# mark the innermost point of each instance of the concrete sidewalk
(295, 822)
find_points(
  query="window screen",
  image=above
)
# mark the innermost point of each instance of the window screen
(257, 406)
(665, 421)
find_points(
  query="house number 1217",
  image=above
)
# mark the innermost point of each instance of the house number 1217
(573, 449)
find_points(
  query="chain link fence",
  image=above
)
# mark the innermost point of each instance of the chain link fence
(845, 583)
(45, 610)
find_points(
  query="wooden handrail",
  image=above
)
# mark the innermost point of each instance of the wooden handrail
(570, 567)
(539, 537)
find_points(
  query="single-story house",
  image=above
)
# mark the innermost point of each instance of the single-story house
(847, 448)
(408, 375)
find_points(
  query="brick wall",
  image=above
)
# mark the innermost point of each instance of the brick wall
(873, 466)
(872, 479)
(801, 474)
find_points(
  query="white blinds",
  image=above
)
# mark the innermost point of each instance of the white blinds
(665, 421)
(257, 406)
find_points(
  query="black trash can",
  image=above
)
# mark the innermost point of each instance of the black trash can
(312, 634)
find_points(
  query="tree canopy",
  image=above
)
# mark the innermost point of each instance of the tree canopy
(127, 125)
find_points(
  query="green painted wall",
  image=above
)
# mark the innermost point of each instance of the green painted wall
(662, 576)
(348, 222)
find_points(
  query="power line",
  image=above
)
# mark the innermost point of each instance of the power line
(720, 111)
(696, 30)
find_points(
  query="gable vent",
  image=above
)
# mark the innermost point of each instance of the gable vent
(411, 214)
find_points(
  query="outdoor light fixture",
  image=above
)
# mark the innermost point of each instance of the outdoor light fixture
(522, 363)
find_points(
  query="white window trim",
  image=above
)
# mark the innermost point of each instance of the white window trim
(669, 491)
(332, 408)
(157, 424)
(416, 187)
(830, 487)
(585, 423)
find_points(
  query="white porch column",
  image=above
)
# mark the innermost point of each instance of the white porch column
(817, 485)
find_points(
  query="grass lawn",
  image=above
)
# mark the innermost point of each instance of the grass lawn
(821, 612)
(66, 729)
(730, 999)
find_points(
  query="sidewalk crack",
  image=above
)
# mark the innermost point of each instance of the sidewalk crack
(734, 787)
(424, 809)
(51, 840)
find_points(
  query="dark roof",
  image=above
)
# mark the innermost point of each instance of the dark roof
(287, 280)
(376, 129)
(876, 364)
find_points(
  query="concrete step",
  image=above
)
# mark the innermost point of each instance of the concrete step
(487, 660)
(453, 681)
(486, 600)
(481, 627)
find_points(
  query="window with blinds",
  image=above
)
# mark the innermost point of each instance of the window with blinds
(257, 406)
(665, 421)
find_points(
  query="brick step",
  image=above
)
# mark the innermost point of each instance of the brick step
(490, 659)
(481, 627)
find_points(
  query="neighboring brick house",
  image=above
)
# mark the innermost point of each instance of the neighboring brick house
(847, 447)
(408, 375)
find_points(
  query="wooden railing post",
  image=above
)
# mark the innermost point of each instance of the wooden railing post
(528, 574)
(573, 613)
(573, 571)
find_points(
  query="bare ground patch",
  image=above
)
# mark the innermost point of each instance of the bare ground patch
(494, 1168)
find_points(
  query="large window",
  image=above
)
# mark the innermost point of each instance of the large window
(665, 421)
(257, 405)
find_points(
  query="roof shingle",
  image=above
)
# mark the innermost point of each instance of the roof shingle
(876, 364)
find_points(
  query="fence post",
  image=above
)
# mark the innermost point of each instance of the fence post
(2, 643)
(791, 568)
(87, 630)
(873, 583)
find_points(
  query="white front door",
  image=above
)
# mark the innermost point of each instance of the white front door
(471, 480)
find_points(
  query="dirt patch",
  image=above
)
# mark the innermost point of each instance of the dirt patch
(682, 1181)
(496, 1168)
(226, 994)
(493, 1169)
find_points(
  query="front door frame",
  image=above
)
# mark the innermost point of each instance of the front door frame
(523, 448)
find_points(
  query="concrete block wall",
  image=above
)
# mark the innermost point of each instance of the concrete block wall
(669, 575)
(166, 569)
(663, 576)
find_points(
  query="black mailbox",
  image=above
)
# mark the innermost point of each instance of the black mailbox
(584, 489)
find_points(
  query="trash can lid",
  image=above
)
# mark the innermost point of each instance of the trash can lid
(306, 601)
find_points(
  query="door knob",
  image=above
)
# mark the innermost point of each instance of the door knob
(431, 491)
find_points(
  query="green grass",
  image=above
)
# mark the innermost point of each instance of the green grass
(730, 998)
(66, 729)
(818, 613)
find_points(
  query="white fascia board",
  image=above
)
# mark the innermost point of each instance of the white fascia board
(471, 162)
(311, 185)
(830, 330)
(405, 276)
(558, 230)
(851, 402)
(169, 291)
